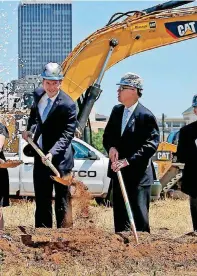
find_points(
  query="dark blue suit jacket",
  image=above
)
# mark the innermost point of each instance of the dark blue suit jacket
(187, 153)
(57, 130)
(138, 143)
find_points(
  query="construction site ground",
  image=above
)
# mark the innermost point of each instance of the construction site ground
(92, 248)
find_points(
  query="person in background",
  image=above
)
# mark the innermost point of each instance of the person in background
(187, 154)
(4, 177)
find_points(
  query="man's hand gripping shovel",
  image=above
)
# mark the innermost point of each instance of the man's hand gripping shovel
(67, 181)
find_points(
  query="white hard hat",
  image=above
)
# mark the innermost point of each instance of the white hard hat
(52, 71)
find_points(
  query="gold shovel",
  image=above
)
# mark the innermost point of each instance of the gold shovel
(10, 164)
(127, 205)
(66, 181)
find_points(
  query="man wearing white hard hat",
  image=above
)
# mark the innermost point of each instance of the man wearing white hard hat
(131, 138)
(53, 115)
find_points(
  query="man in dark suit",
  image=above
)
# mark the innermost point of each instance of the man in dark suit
(187, 154)
(131, 138)
(53, 116)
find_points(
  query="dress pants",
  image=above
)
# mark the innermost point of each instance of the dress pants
(43, 186)
(139, 198)
(193, 209)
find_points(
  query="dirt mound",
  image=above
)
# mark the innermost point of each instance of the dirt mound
(93, 248)
(80, 199)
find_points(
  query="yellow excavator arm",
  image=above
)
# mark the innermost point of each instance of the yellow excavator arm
(137, 33)
(84, 68)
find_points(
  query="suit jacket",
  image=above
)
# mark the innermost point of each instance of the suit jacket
(137, 144)
(57, 130)
(187, 153)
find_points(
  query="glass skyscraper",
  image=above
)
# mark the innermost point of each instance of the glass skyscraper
(44, 34)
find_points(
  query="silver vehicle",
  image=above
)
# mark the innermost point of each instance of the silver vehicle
(90, 167)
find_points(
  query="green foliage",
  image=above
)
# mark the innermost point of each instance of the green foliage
(97, 140)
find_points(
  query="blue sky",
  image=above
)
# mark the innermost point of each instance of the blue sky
(169, 73)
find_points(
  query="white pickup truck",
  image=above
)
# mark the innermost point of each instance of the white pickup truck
(90, 167)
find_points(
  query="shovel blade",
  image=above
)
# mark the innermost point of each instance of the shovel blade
(10, 164)
(67, 181)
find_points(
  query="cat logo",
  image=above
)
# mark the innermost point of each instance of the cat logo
(181, 28)
(186, 29)
(162, 156)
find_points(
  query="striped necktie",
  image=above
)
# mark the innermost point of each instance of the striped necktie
(124, 119)
(46, 110)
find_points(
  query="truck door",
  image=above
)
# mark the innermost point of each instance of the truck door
(88, 168)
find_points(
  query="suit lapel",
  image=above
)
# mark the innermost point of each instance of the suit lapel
(37, 99)
(119, 119)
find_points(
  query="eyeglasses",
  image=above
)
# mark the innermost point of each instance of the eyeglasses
(121, 88)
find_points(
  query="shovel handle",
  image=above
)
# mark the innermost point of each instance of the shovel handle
(41, 154)
(127, 205)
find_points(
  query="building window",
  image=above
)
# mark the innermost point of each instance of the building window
(176, 124)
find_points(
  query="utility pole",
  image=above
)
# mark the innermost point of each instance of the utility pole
(3, 87)
(163, 127)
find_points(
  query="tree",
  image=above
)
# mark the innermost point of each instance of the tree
(97, 140)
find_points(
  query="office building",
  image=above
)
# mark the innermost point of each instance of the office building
(44, 34)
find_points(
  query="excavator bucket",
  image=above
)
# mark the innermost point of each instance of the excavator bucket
(138, 33)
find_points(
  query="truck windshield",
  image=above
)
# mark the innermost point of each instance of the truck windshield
(171, 137)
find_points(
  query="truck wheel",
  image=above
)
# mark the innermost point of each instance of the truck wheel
(103, 201)
(100, 200)
(108, 200)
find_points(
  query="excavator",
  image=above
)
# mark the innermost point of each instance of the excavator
(124, 35)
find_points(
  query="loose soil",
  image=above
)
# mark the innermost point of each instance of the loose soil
(88, 249)
(95, 249)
